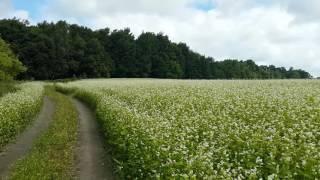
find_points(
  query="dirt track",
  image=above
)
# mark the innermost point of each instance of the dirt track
(93, 161)
(24, 141)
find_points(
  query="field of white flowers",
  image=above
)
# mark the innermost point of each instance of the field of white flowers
(208, 129)
(17, 110)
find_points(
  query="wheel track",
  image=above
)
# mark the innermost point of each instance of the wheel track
(93, 160)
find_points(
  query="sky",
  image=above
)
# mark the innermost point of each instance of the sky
(279, 32)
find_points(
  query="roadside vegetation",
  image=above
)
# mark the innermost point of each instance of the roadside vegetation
(18, 109)
(6, 87)
(10, 67)
(53, 154)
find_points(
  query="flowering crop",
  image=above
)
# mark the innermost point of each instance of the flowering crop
(17, 109)
(209, 129)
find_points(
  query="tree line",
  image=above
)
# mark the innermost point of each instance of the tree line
(61, 50)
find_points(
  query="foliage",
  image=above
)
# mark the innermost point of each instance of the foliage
(209, 129)
(61, 50)
(53, 154)
(17, 110)
(6, 87)
(10, 66)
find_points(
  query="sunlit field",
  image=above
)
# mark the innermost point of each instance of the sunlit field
(208, 129)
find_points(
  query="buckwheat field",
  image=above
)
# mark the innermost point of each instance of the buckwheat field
(208, 129)
(17, 109)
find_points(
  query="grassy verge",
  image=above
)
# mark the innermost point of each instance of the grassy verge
(53, 155)
(6, 87)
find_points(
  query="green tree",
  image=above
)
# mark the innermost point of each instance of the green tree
(97, 63)
(123, 53)
(10, 66)
(62, 50)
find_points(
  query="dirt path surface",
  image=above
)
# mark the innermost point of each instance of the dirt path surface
(24, 141)
(93, 160)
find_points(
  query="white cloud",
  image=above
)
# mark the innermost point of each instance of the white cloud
(7, 11)
(279, 32)
(95, 8)
(304, 10)
(5, 7)
(20, 14)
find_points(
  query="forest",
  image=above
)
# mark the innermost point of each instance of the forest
(61, 50)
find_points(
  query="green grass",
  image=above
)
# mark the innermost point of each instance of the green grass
(6, 87)
(53, 155)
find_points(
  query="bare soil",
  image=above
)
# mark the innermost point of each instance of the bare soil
(93, 159)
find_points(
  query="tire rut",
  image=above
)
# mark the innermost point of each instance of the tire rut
(25, 140)
(93, 160)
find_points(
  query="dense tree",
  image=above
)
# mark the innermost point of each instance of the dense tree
(10, 66)
(123, 53)
(146, 49)
(96, 62)
(62, 50)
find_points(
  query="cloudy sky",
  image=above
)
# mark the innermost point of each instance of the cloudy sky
(280, 32)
